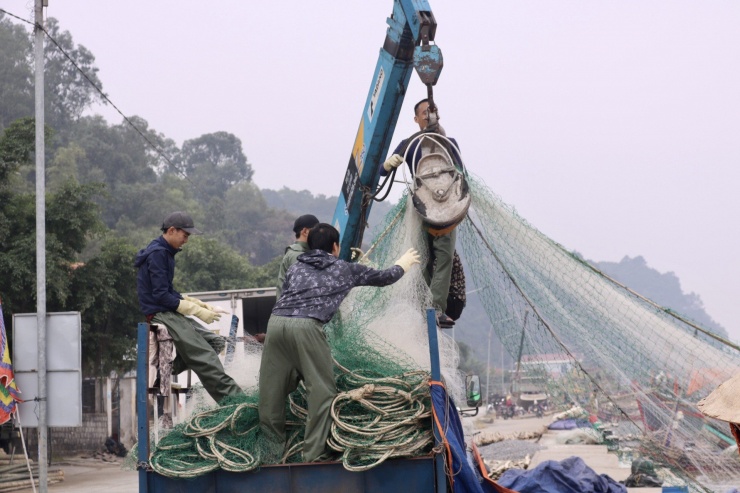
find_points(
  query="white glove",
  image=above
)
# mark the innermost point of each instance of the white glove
(411, 257)
(189, 308)
(357, 254)
(393, 162)
(204, 305)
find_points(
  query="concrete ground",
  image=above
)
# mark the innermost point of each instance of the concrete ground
(92, 476)
(595, 456)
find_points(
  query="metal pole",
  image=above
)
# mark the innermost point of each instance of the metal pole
(41, 244)
(142, 406)
(503, 371)
(439, 463)
(488, 369)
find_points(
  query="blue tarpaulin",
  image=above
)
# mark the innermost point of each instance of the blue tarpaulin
(570, 475)
(569, 424)
(462, 476)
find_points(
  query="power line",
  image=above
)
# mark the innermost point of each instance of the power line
(106, 98)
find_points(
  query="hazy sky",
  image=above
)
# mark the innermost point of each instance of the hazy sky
(612, 126)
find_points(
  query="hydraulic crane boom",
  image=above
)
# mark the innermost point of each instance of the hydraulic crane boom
(410, 29)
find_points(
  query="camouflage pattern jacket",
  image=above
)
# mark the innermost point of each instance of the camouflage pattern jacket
(318, 282)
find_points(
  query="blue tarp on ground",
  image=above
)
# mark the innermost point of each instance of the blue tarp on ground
(570, 475)
(569, 424)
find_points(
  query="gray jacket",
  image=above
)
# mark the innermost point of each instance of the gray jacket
(291, 255)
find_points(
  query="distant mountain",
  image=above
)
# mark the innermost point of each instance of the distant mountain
(301, 202)
(321, 206)
(664, 289)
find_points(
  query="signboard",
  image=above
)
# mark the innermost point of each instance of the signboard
(63, 368)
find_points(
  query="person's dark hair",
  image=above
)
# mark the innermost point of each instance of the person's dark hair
(305, 221)
(416, 106)
(322, 237)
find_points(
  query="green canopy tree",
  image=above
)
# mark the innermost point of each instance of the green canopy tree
(17, 145)
(104, 290)
(63, 166)
(214, 163)
(251, 227)
(71, 217)
(16, 76)
(67, 92)
(205, 264)
(118, 157)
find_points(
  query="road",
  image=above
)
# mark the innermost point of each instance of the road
(93, 476)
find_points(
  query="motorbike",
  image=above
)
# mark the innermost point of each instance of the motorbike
(506, 412)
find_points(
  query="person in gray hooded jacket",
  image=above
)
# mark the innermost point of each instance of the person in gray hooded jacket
(296, 347)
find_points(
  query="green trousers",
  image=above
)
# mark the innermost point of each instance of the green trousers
(197, 350)
(296, 349)
(437, 275)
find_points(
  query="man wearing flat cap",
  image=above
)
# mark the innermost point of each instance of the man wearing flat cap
(301, 227)
(196, 347)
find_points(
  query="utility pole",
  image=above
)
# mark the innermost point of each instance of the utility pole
(503, 371)
(41, 242)
(488, 369)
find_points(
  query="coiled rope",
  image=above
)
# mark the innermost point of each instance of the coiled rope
(373, 419)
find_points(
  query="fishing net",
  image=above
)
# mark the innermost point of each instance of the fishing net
(584, 337)
(592, 341)
(379, 342)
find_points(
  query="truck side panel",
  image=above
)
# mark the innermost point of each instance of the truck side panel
(393, 476)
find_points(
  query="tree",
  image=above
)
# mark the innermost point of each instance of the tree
(71, 216)
(215, 163)
(302, 202)
(16, 77)
(321, 206)
(251, 227)
(67, 92)
(105, 292)
(17, 145)
(118, 157)
(63, 167)
(205, 264)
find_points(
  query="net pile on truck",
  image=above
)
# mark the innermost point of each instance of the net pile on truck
(637, 364)
(382, 368)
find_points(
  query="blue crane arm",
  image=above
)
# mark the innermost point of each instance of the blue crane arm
(410, 28)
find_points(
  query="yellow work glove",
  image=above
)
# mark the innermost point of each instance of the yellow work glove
(204, 305)
(393, 162)
(189, 308)
(411, 257)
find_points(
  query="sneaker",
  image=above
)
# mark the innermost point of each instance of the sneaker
(444, 321)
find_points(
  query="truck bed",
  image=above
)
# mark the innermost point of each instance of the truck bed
(393, 476)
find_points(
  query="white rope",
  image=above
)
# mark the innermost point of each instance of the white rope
(23, 442)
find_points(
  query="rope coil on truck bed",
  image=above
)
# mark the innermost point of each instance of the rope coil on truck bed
(373, 419)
